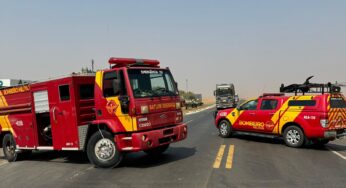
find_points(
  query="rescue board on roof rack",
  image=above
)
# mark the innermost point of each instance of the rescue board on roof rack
(131, 62)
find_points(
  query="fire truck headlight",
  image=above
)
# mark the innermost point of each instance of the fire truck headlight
(144, 109)
(178, 105)
(324, 123)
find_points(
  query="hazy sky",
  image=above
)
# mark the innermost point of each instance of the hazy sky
(256, 44)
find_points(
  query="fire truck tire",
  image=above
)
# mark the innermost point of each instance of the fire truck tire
(9, 148)
(225, 129)
(294, 136)
(102, 151)
(158, 150)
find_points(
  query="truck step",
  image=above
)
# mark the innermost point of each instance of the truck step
(127, 149)
(257, 134)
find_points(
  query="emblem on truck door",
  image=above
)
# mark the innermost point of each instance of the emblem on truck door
(111, 107)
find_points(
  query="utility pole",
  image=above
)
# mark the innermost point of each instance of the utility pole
(92, 65)
(187, 85)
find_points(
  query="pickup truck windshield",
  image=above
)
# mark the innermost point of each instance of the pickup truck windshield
(151, 83)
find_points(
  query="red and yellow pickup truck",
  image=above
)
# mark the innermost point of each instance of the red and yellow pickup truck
(298, 119)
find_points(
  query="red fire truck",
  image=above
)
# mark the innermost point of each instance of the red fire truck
(300, 119)
(133, 106)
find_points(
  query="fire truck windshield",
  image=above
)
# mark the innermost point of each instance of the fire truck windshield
(151, 83)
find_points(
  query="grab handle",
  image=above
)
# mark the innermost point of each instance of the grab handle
(54, 117)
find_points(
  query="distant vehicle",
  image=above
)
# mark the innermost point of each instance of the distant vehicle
(133, 106)
(199, 99)
(316, 116)
(193, 101)
(225, 96)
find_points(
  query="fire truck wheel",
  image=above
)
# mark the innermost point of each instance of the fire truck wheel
(225, 129)
(9, 148)
(157, 151)
(294, 137)
(102, 151)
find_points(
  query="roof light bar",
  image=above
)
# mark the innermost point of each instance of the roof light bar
(121, 62)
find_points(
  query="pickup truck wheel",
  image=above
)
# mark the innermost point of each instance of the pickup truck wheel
(9, 148)
(294, 136)
(157, 151)
(102, 151)
(225, 129)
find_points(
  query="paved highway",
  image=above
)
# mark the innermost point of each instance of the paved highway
(203, 160)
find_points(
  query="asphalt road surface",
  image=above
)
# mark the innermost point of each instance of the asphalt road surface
(202, 160)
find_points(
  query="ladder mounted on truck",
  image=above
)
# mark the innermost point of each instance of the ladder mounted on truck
(308, 87)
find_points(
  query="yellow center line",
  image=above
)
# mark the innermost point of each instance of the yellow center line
(218, 159)
(229, 161)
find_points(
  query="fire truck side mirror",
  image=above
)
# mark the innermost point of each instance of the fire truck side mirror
(124, 102)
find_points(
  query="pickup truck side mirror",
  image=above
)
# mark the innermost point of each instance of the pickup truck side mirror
(240, 108)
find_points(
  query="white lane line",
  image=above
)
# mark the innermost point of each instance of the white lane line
(337, 153)
(3, 162)
(200, 110)
(188, 122)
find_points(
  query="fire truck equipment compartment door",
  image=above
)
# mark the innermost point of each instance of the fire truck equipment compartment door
(62, 114)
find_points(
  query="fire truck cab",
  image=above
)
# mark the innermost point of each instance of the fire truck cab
(133, 106)
(299, 119)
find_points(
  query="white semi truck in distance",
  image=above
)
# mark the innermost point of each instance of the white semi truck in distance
(225, 96)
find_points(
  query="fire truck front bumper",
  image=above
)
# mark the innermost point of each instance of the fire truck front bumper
(140, 141)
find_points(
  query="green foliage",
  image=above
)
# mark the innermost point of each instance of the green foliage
(187, 95)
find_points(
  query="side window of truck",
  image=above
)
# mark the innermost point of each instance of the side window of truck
(337, 102)
(86, 91)
(269, 104)
(64, 92)
(251, 105)
(109, 80)
(302, 103)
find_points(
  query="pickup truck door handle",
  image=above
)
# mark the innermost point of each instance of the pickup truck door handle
(252, 114)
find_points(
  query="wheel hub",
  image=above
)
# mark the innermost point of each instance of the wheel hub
(10, 148)
(105, 149)
(223, 129)
(293, 136)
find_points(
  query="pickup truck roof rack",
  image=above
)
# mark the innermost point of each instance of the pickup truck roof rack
(272, 94)
(308, 87)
